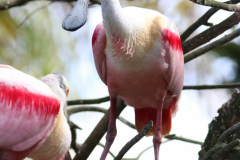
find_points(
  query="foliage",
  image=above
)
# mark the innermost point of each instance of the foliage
(30, 48)
(231, 50)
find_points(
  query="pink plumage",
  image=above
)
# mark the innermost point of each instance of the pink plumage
(29, 111)
(138, 55)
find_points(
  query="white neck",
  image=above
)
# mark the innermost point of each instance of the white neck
(113, 16)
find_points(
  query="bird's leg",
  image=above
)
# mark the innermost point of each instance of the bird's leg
(157, 137)
(111, 132)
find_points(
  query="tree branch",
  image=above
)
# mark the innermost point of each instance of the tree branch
(174, 137)
(204, 87)
(188, 57)
(218, 136)
(77, 109)
(217, 4)
(143, 151)
(133, 141)
(211, 33)
(73, 128)
(33, 12)
(222, 150)
(88, 101)
(228, 133)
(201, 21)
(7, 4)
(97, 133)
(229, 147)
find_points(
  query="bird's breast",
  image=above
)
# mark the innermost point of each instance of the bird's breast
(140, 59)
(139, 79)
(58, 142)
(139, 66)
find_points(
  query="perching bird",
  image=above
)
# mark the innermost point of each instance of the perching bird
(138, 55)
(32, 119)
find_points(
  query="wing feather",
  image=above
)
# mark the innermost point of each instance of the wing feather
(28, 110)
(99, 45)
(174, 57)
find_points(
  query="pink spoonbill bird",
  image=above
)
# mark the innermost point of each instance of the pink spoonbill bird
(33, 122)
(138, 55)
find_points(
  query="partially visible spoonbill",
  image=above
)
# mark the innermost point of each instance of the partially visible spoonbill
(138, 55)
(32, 119)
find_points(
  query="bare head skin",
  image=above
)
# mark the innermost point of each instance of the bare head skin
(59, 85)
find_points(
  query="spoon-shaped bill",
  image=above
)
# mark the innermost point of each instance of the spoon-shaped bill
(77, 17)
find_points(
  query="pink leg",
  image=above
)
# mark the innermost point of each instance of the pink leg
(157, 137)
(111, 132)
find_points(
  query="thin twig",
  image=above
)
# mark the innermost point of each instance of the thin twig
(7, 4)
(77, 109)
(188, 57)
(73, 125)
(133, 141)
(206, 87)
(97, 133)
(129, 124)
(88, 101)
(217, 4)
(211, 33)
(202, 20)
(143, 151)
(173, 136)
(33, 12)
(166, 141)
(73, 128)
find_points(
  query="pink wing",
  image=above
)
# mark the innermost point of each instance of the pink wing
(99, 45)
(28, 111)
(174, 57)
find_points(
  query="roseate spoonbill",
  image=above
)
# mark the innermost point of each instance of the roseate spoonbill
(32, 119)
(138, 55)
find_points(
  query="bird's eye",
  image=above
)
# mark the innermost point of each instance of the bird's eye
(67, 92)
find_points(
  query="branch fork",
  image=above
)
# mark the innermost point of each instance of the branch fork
(220, 5)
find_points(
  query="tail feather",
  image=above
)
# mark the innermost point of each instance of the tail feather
(144, 115)
(174, 106)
